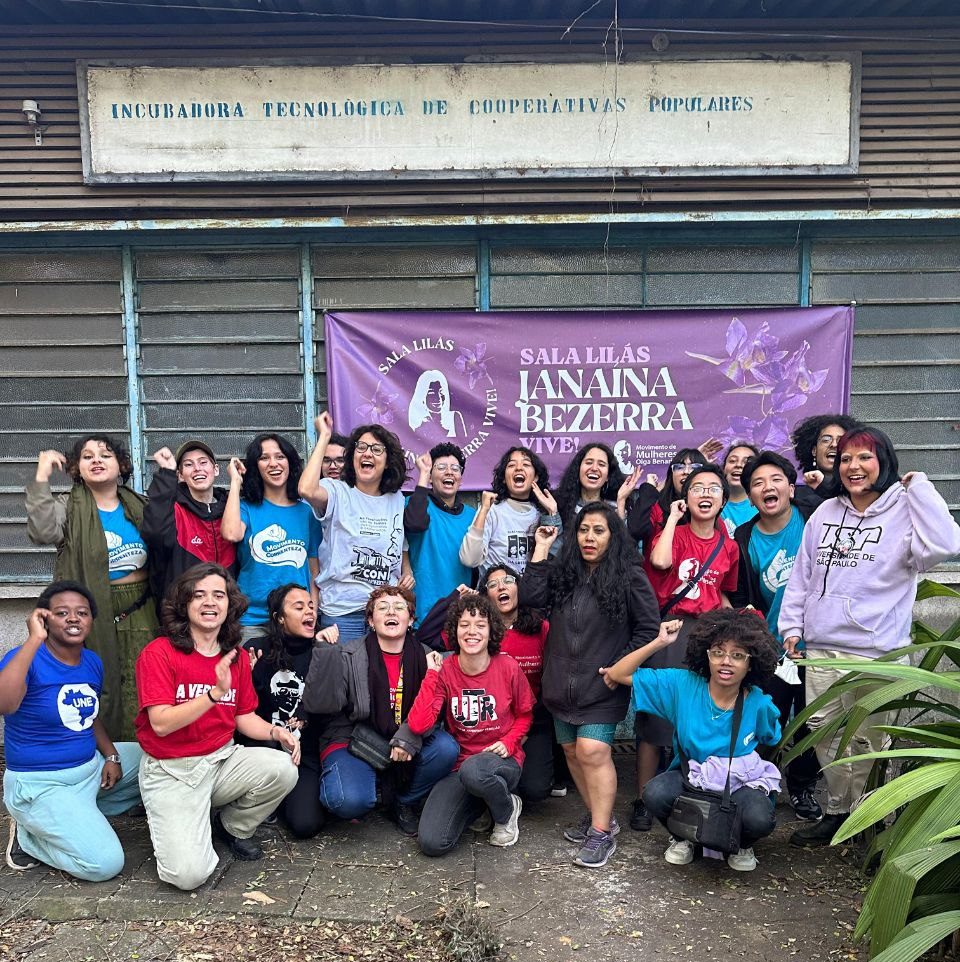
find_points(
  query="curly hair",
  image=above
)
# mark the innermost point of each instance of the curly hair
(391, 591)
(274, 633)
(120, 452)
(498, 484)
(528, 620)
(446, 449)
(60, 587)
(568, 491)
(173, 611)
(395, 470)
(805, 434)
(746, 629)
(610, 579)
(474, 604)
(252, 489)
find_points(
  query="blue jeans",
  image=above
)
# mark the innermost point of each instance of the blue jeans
(348, 785)
(352, 625)
(61, 815)
(757, 809)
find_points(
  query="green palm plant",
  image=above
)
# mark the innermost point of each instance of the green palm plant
(913, 901)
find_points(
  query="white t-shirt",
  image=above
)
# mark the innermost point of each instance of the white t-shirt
(508, 534)
(362, 546)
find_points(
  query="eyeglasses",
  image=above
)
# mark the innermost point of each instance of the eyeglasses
(338, 461)
(385, 607)
(677, 468)
(448, 468)
(502, 582)
(718, 654)
(700, 489)
(827, 439)
(376, 449)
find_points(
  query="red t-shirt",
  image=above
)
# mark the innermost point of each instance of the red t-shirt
(168, 676)
(528, 651)
(494, 706)
(689, 553)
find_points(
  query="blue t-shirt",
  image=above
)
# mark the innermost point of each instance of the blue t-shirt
(435, 555)
(126, 551)
(736, 513)
(683, 699)
(277, 545)
(53, 727)
(772, 557)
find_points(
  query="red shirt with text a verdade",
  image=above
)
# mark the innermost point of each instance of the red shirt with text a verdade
(168, 676)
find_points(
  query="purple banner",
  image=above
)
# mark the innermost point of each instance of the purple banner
(643, 382)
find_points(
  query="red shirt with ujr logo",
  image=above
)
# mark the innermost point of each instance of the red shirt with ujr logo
(168, 676)
(494, 706)
(690, 553)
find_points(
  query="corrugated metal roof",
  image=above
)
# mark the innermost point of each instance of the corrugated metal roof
(552, 12)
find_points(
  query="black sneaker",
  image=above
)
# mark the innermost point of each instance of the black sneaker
(16, 857)
(596, 849)
(640, 820)
(820, 833)
(406, 818)
(805, 806)
(243, 849)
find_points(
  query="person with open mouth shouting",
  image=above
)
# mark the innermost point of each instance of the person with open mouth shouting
(362, 517)
(487, 704)
(851, 594)
(96, 528)
(815, 446)
(363, 692)
(728, 656)
(600, 606)
(739, 508)
(277, 535)
(502, 531)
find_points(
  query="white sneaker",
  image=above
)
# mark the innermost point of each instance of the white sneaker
(505, 835)
(743, 861)
(679, 852)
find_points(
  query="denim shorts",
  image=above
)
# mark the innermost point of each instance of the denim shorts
(599, 731)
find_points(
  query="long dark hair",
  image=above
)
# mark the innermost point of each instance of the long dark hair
(120, 452)
(173, 611)
(568, 491)
(744, 628)
(252, 488)
(394, 471)
(274, 633)
(528, 620)
(873, 439)
(541, 475)
(668, 495)
(610, 580)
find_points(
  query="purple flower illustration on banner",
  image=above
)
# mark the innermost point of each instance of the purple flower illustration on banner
(473, 364)
(378, 409)
(756, 364)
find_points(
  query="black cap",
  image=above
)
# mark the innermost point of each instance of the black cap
(194, 445)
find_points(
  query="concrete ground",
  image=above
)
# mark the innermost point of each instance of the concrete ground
(796, 905)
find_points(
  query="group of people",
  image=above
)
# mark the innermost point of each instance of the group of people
(310, 642)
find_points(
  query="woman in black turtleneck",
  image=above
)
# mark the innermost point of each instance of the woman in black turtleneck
(280, 660)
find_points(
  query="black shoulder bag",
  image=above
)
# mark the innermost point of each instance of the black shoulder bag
(710, 819)
(688, 587)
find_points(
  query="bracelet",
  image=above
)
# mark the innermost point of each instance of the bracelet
(215, 701)
(113, 758)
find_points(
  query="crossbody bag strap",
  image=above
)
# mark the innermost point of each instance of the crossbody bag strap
(680, 595)
(734, 732)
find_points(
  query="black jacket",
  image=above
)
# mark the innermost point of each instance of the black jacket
(180, 532)
(748, 579)
(581, 642)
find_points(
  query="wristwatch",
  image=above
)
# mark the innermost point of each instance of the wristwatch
(113, 758)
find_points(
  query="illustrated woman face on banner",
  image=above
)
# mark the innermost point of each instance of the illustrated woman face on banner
(430, 404)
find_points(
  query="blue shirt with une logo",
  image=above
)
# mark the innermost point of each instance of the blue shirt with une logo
(277, 545)
(53, 727)
(126, 551)
(772, 557)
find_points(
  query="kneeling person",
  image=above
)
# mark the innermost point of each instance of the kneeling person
(195, 690)
(64, 774)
